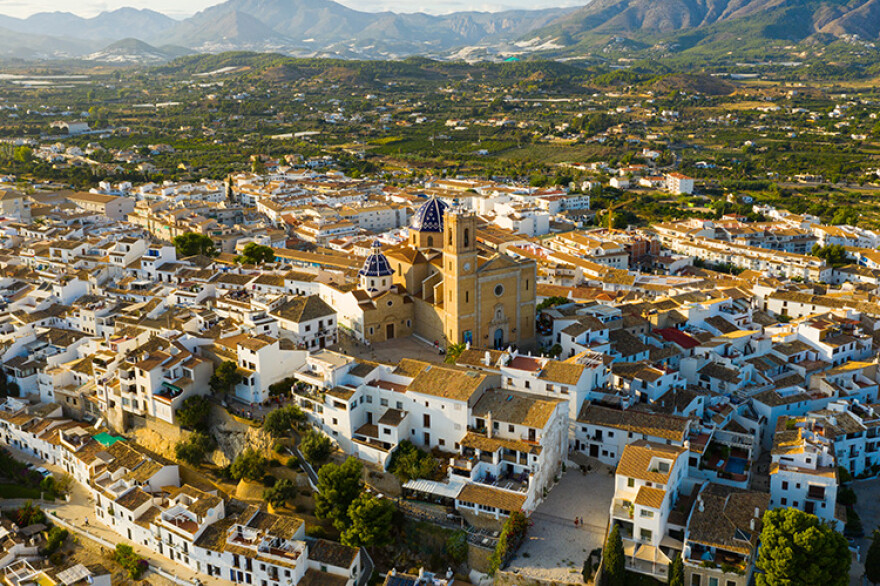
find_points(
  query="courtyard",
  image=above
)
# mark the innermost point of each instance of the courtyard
(555, 549)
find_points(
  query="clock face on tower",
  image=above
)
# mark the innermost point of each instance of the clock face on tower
(467, 266)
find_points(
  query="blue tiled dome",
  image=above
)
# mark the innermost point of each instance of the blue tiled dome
(376, 264)
(429, 217)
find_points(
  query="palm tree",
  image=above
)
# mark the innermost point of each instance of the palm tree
(453, 351)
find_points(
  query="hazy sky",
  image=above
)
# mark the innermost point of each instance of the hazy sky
(183, 8)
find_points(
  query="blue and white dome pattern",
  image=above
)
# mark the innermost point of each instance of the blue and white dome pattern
(376, 264)
(429, 217)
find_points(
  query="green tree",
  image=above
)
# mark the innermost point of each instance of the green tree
(797, 549)
(22, 154)
(191, 244)
(613, 562)
(833, 254)
(453, 351)
(410, 462)
(225, 377)
(315, 447)
(194, 412)
(872, 559)
(134, 564)
(338, 487)
(254, 254)
(194, 449)
(371, 522)
(676, 571)
(279, 422)
(279, 493)
(248, 465)
(457, 547)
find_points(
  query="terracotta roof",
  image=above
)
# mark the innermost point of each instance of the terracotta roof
(635, 462)
(671, 427)
(516, 408)
(491, 497)
(650, 497)
(448, 383)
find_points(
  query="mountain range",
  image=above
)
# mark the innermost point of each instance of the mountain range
(325, 28)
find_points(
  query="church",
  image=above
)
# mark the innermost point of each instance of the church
(443, 287)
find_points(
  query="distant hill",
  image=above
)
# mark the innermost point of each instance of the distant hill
(135, 51)
(729, 29)
(297, 27)
(728, 23)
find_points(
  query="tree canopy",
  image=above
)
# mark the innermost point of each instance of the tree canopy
(797, 549)
(279, 493)
(338, 487)
(315, 447)
(833, 254)
(225, 377)
(195, 449)
(371, 522)
(191, 244)
(410, 462)
(194, 412)
(249, 465)
(254, 254)
(279, 422)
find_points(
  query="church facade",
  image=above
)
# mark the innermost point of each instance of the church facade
(442, 287)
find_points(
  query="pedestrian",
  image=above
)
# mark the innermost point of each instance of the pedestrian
(87, 521)
(575, 522)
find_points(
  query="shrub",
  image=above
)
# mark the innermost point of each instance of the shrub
(281, 492)
(408, 462)
(134, 564)
(54, 539)
(512, 534)
(195, 449)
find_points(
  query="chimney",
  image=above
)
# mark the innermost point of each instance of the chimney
(489, 425)
(487, 358)
(700, 504)
(752, 524)
(757, 513)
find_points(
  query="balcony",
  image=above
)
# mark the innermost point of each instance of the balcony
(622, 509)
(507, 481)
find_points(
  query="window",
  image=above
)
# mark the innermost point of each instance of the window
(713, 581)
(647, 535)
(630, 482)
(383, 402)
(467, 239)
(499, 290)
(510, 428)
(646, 514)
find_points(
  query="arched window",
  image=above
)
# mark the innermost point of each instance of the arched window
(450, 238)
(466, 237)
(430, 242)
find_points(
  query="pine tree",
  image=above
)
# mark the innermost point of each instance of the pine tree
(614, 564)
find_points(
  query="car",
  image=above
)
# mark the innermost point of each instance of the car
(44, 472)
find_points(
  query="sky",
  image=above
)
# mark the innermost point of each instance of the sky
(184, 8)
